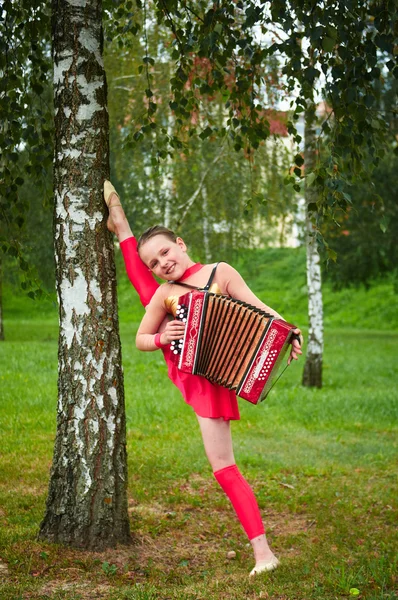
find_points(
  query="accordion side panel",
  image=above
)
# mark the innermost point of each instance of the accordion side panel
(182, 300)
(263, 369)
(192, 331)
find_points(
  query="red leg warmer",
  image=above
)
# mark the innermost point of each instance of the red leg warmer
(242, 498)
(139, 275)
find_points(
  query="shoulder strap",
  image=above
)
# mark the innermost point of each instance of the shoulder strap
(208, 284)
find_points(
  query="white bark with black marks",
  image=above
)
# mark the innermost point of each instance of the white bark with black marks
(312, 376)
(87, 501)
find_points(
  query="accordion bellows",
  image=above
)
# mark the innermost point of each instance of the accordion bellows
(231, 343)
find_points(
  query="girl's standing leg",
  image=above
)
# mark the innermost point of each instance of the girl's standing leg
(217, 439)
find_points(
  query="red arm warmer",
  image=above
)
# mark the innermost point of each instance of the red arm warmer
(139, 275)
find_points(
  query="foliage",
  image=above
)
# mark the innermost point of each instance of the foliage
(348, 46)
(26, 120)
(202, 188)
(205, 72)
(365, 235)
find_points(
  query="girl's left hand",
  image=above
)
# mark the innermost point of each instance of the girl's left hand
(296, 347)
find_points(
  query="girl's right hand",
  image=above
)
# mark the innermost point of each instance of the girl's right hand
(174, 330)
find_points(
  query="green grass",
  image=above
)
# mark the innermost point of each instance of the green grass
(322, 464)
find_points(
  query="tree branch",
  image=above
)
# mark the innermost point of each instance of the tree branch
(188, 205)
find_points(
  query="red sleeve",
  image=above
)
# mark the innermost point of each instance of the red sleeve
(139, 274)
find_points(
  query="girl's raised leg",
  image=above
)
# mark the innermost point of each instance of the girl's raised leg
(217, 439)
(139, 275)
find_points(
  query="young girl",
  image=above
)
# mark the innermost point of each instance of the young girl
(160, 251)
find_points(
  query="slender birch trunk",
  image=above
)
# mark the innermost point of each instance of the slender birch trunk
(312, 376)
(87, 499)
(206, 228)
(168, 179)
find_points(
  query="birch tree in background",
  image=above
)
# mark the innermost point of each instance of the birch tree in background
(312, 375)
(87, 499)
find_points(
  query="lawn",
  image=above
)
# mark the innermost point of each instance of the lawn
(322, 464)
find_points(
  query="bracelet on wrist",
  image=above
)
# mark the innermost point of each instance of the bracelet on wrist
(157, 341)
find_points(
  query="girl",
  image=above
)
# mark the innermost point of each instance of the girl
(160, 251)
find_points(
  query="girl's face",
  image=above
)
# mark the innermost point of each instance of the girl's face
(166, 259)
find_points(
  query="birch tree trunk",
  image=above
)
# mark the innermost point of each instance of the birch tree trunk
(206, 227)
(87, 499)
(312, 376)
(168, 180)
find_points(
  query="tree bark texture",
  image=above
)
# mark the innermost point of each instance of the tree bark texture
(87, 500)
(312, 376)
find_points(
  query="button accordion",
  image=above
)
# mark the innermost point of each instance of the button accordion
(230, 343)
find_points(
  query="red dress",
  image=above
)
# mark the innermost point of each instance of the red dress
(207, 399)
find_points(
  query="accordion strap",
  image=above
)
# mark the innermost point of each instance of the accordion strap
(194, 287)
(208, 284)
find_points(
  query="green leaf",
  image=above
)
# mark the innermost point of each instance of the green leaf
(12, 251)
(383, 224)
(332, 255)
(310, 178)
(328, 44)
(331, 32)
(206, 133)
(299, 160)
(311, 73)
(148, 60)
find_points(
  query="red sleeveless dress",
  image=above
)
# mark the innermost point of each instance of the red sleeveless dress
(207, 399)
